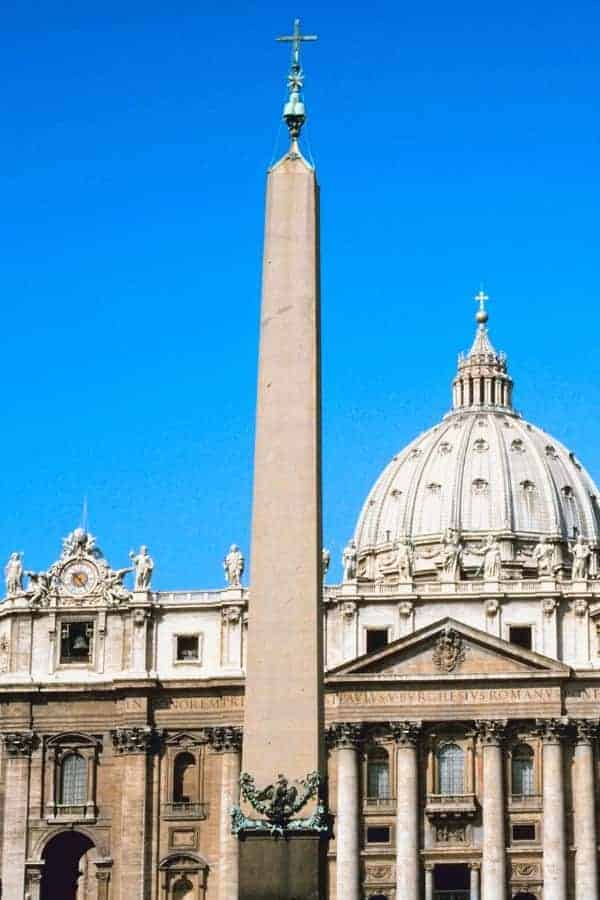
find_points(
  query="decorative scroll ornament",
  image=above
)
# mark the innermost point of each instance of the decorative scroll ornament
(19, 743)
(449, 651)
(278, 804)
(406, 733)
(132, 740)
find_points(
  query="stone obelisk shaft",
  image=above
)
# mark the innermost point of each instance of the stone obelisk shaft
(283, 706)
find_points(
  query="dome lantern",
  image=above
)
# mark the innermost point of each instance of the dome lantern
(482, 380)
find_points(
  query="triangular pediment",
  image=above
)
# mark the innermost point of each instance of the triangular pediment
(449, 649)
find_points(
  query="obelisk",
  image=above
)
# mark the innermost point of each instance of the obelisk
(280, 856)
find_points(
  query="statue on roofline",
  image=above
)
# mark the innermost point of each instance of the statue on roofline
(13, 572)
(144, 566)
(233, 566)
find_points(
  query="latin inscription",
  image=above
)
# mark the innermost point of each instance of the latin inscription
(458, 697)
(187, 704)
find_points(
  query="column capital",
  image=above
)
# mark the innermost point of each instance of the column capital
(429, 866)
(19, 743)
(491, 732)
(406, 733)
(475, 866)
(586, 730)
(552, 731)
(134, 739)
(225, 739)
(347, 735)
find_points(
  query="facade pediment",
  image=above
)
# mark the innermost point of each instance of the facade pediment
(449, 649)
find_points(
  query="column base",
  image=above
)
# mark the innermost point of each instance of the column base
(291, 868)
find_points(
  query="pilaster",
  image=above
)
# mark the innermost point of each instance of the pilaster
(132, 745)
(227, 741)
(18, 746)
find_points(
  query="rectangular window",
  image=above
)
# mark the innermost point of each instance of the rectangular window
(188, 648)
(376, 639)
(520, 635)
(76, 642)
(523, 832)
(378, 834)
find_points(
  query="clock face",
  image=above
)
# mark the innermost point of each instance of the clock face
(79, 578)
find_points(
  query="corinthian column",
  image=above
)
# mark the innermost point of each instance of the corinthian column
(346, 739)
(228, 742)
(17, 751)
(586, 856)
(554, 840)
(133, 745)
(406, 735)
(493, 857)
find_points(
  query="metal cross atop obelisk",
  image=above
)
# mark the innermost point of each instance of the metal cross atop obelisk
(296, 38)
(293, 111)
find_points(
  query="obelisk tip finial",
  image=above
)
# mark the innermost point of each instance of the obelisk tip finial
(293, 111)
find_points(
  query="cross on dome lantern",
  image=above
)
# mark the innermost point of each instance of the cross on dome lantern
(482, 315)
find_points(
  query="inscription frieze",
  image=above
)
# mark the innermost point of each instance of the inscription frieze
(493, 696)
(192, 704)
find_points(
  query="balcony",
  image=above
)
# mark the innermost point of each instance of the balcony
(379, 804)
(71, 812)
(451, 806)
(525, 801)
(185, 810)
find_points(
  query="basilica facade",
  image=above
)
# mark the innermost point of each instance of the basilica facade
(462, 688)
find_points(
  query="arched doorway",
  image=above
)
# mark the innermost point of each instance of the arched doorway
(63, 865)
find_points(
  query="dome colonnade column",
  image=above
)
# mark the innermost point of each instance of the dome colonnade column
(406, 735)
(584, 808)
(346, 738)
(493, 863)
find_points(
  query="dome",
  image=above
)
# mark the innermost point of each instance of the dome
(483, 470)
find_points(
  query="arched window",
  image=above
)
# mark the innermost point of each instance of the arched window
(378, 774)
(183, 889)
(184, 778)
(522, 771)
(451, 769)
(73, 778)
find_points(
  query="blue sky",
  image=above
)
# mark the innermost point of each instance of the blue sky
(454, 145)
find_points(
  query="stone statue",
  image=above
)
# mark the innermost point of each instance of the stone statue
(404, 559)
(325, 561)
(400, 561)
(543, 554)
(14, 574)
(113, 589)
(80, 543)
(581, 553)
(39, 585)
(349, 561)
(144, 566)
(233, 564)
(451, 555)
(492, 558)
